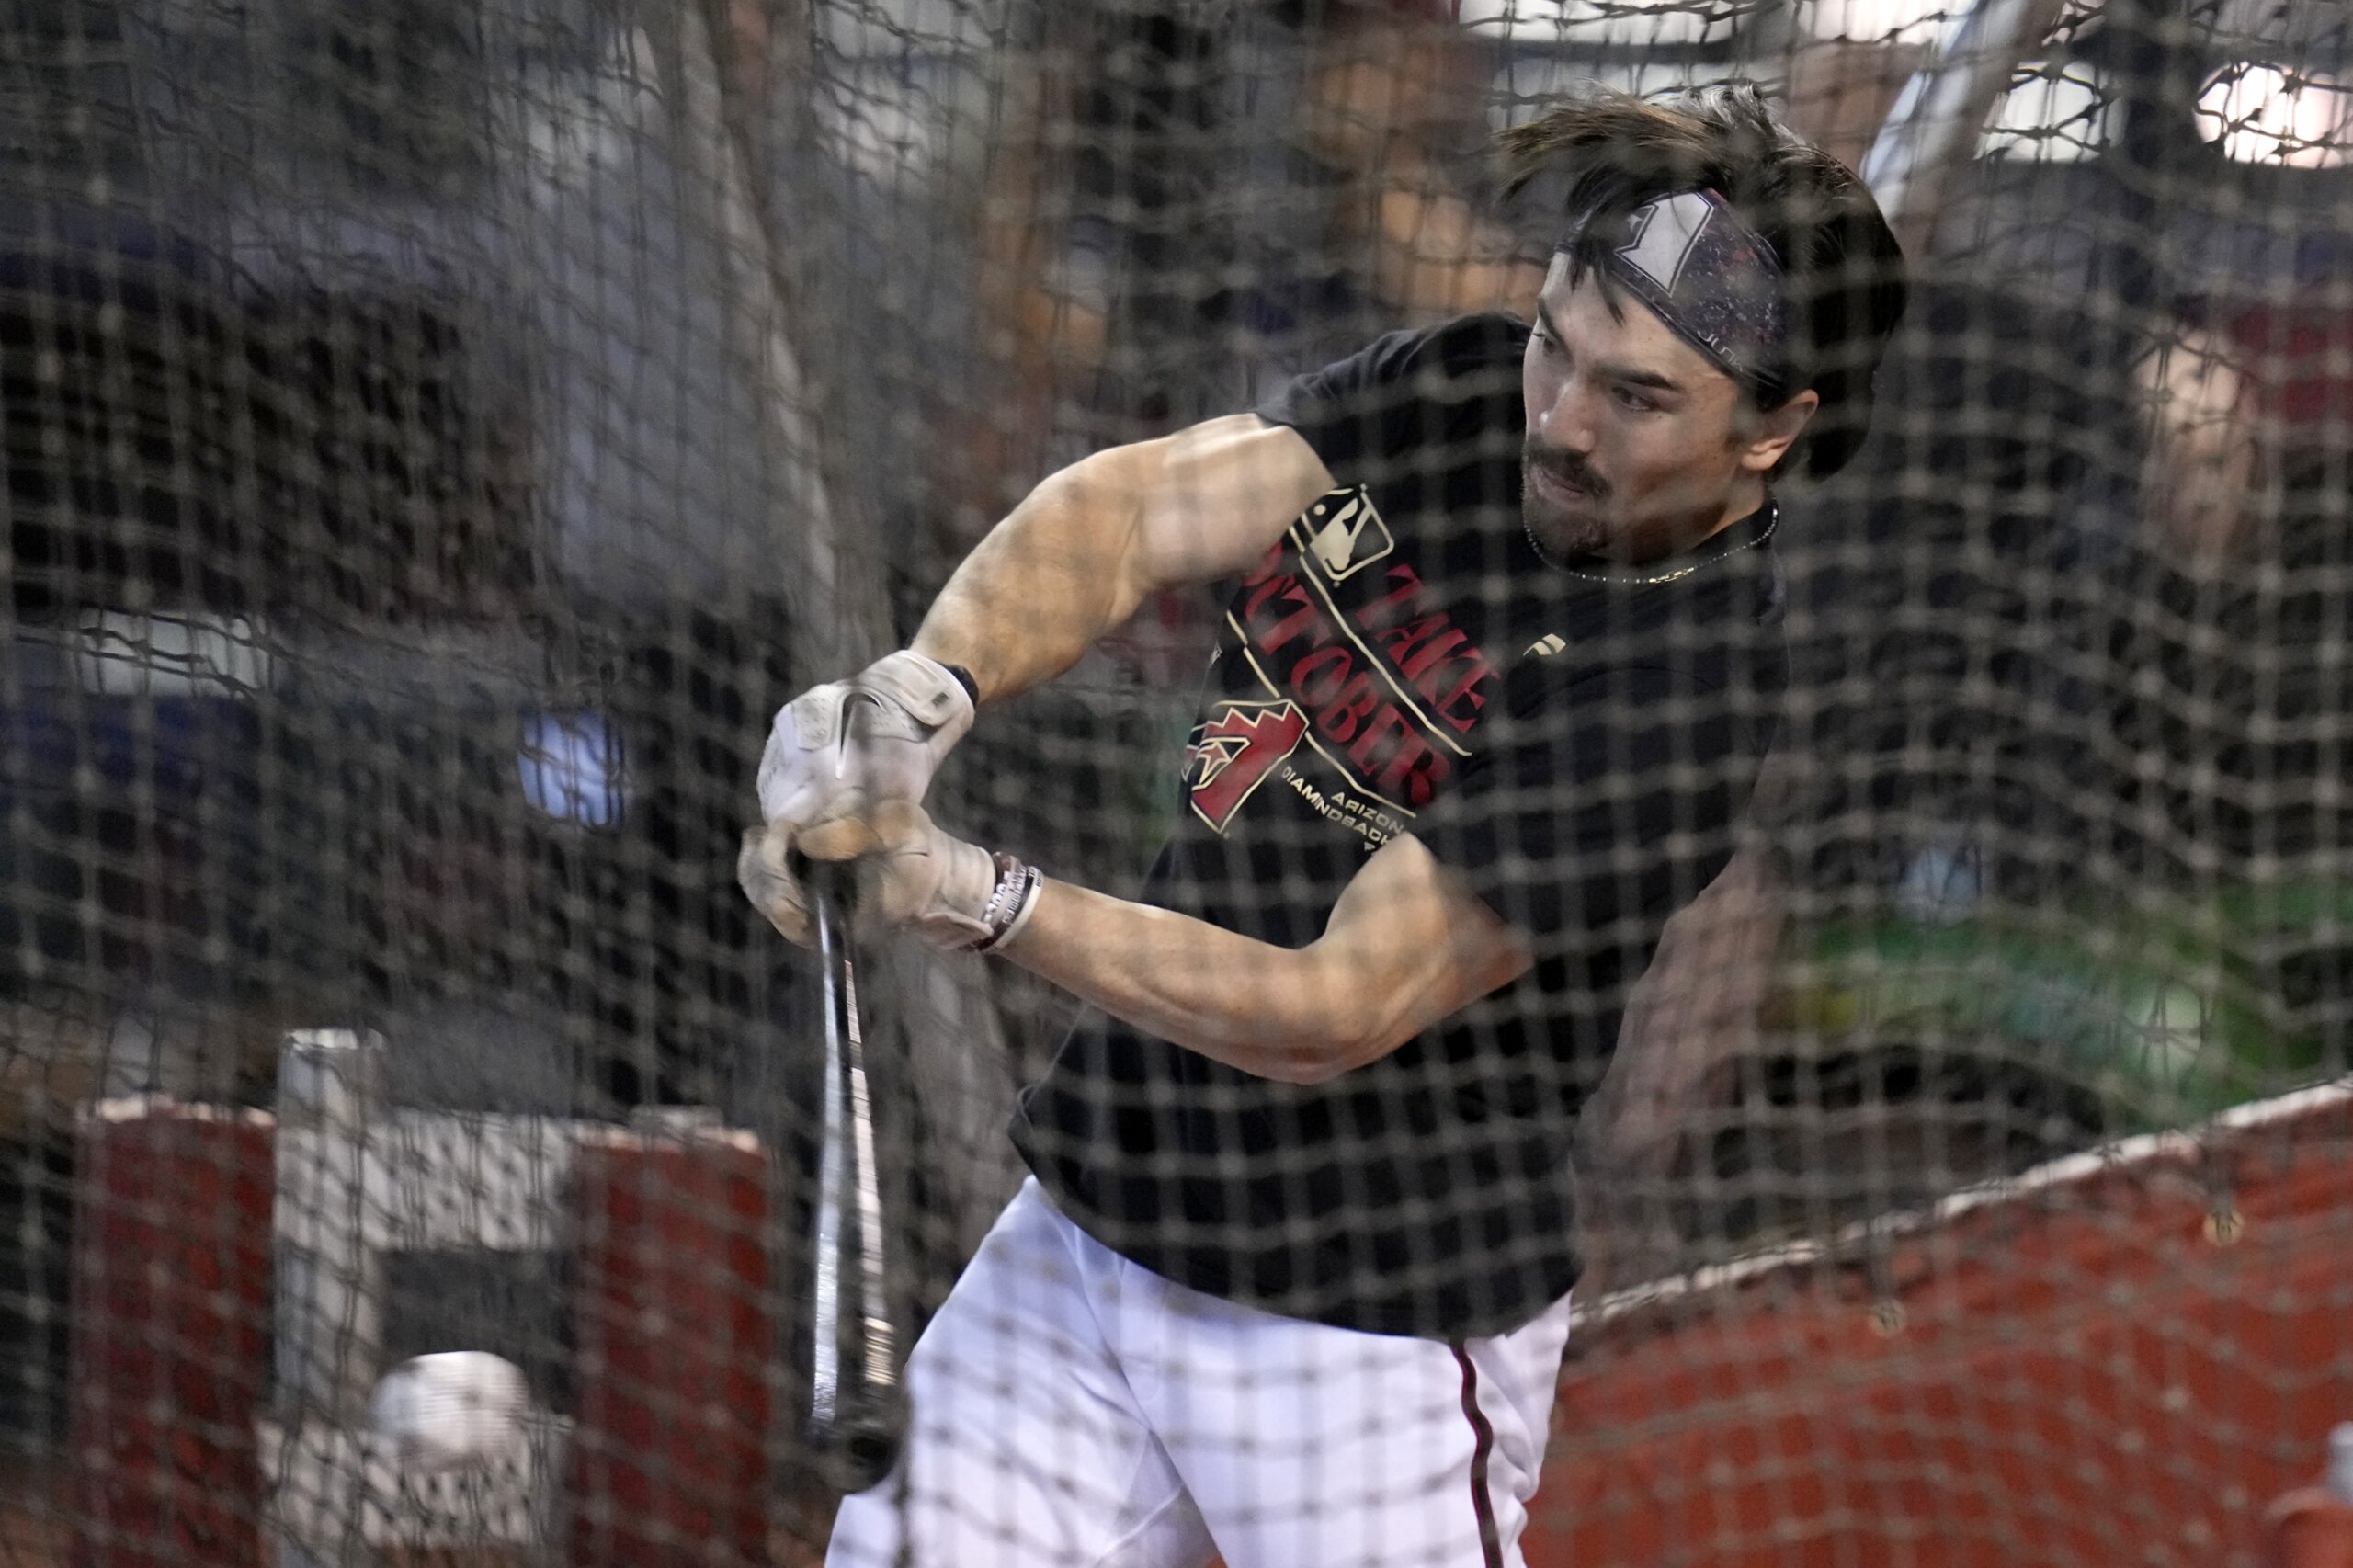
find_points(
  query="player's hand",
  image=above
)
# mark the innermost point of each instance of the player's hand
(911, 876)
(764, 870)
(844, 748)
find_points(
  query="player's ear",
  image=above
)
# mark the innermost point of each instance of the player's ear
(1768, 435)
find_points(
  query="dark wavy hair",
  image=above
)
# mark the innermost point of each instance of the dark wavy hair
(1604, 154)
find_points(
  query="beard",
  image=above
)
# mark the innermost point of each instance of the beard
(1576, 528)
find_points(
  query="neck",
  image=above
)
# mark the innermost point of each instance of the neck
(1745, 499)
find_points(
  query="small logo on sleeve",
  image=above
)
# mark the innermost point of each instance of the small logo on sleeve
(1544, 647)
(1345, 534)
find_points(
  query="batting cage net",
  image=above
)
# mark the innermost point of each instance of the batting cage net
(440, 435)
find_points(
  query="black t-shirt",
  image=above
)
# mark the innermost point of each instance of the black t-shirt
(1576, 741)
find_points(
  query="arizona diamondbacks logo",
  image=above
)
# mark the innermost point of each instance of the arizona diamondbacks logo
(1666, 234)
(1232, 754)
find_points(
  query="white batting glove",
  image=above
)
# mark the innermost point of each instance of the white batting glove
(762, 873)
(843, 748)
(916, 878)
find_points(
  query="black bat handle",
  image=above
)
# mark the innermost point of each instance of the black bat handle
(857, 1404)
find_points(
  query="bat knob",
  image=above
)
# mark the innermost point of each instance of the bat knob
(831, 882)
(857, 1449)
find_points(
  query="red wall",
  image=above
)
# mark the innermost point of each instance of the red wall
(2090, 1373)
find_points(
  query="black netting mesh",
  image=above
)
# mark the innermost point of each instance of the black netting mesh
(439, 436)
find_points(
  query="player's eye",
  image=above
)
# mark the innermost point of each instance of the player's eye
(1549, 346)
(1631, 400)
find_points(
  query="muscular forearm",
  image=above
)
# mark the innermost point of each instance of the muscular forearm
(1275, 1012)
(1074, 560)
(1432, 257)
(1406, 946)
(1047, 581)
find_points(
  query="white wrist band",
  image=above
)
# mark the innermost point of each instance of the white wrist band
(1033, 881)
(1010, 902)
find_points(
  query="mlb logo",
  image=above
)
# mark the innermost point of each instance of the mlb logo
(1345, 533)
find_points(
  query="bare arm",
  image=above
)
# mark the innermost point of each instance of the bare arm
(1406, 946)
(1432, 257)
(1093, 541)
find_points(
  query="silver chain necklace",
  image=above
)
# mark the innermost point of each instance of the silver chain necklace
(1772, 521)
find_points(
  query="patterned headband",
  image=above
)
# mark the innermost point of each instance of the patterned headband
(1712, 279)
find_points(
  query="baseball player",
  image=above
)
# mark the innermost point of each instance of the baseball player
(1288, 1281)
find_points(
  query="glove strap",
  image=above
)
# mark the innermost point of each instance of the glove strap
(927, 690)
(1007, 910)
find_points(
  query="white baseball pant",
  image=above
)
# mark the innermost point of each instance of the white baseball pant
(1073, 1410)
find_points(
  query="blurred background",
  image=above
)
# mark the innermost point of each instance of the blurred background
(438, 433)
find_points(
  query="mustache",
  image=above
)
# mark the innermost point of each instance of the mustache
(1565, 466)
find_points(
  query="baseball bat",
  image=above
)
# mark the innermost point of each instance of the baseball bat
(857, 1405)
